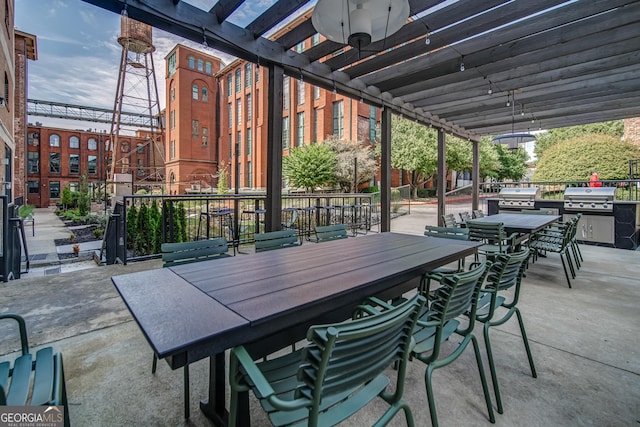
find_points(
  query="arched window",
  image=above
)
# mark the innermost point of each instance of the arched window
(192, 62)
(194, 92)
(205, 94)
(172, 178)
(124, 146)
(54, 140)
(200, 65)
(92, 144)
(74, 142)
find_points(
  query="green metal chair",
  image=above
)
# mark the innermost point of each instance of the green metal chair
(457, 295)
(558, 241)
(448, 233)
(465, 216)
(449, 221)
(338, 372)
(477, 213)
(505, 273)
(326, 233)
(275, 240)
(494, 237)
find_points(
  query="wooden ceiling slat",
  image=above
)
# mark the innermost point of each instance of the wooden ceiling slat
(297, 34)
(278, 12)
(224, 8)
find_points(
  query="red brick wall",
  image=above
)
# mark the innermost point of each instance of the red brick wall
(20, 131)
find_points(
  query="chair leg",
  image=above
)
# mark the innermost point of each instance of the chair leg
(155, 364)
(432, 404)
(492, 369)
(526, 343)
(483, 379)
(186, 391)
(566, 273)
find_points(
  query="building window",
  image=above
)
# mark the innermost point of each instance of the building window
(74, 163)
(92, 144)
(205, 137)
(194, 91)
(74, 142)
(200, 65)
(314, 129)
(315, 39)
(6, 90)
(192, 62)
(316, 92)
(300, 47)
(338, 119)
(205, 94)
(33, 139)
(285, 93)
(74, 187)
(249, 107)
(172, 94)
(248, 72)
(124, 147)
(139, 168)
(372, 123)
(238, 143)
(92, 162)
(195, 129)
(238, 81)
(54, 141)
(33, 187)
(207, 68)
(54, 189)
(140, 149)
(300, 92)
(249, 142)
(249, 175)
(172, 149)
(171, 65)
(33, 162)
(172, 119)
(285, 132)
(230, 145)
(229, 84)
(54, 162)
(257, 73)
(238, 112)
(300, 131)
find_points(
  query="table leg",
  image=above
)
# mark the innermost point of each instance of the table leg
(214, 408)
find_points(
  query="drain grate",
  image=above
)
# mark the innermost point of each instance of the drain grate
(38, 257)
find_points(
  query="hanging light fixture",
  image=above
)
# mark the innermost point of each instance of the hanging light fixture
(359, 22)
(513, 140)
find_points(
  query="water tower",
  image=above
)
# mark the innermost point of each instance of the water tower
(137, 92)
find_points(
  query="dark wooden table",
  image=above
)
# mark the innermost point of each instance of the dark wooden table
(268, 300)
(522, 224)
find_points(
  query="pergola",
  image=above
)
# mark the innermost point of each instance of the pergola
(454, 65)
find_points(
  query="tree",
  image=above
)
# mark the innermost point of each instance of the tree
(513, 163)
(65, 198)
(545, 140)
(576, 158)
(489, 159)
(84, 200)
(414, 148)
(143, 233)
(310, 166)
(348, 153)
(223, 187)
(132, 223)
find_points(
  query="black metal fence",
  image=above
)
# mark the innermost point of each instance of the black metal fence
(141, 223)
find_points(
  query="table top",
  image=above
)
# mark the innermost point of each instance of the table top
(192, 311)
(520, 223)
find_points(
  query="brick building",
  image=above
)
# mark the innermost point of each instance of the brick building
(26, 49)
(191, 157)
(58, 157)
(7, 102)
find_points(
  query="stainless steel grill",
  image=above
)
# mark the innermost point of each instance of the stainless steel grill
(599, 199)
(518, 198)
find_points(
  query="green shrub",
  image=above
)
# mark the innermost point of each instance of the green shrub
(25, 211)
(424, 193)
(372, 189)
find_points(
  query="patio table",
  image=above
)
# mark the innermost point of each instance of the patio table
(522, 224)
(268, 300)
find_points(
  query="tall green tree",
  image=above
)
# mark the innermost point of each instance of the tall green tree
(310, 166)
(489, 159)
(143, 232)
(84, 199)
(348, 154)
(513, 163)
(548, 139)
(155, 217)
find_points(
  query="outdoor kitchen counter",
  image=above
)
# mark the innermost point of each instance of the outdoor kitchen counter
(626, 216)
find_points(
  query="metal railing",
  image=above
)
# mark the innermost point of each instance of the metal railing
(146, 221)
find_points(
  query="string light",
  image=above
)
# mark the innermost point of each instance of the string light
(427, 39)
(490, 91)
(508, 101)
(204, 39)
(462, 63)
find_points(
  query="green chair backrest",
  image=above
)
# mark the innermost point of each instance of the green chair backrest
(275, 240)
(199, 250)
(489, 232)
(506, 272)
(446, 232)
(465, 216)
(350, 354)
(478, 213)
(325, 233)
(449, 220)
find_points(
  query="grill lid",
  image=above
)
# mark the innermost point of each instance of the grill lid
(589, 193)
(519, 193)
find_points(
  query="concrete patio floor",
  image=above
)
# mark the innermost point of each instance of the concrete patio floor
(585, 344)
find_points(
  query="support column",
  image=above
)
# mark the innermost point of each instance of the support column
(385, 171)
(475, 176)
(273, 203)
(442, 175)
